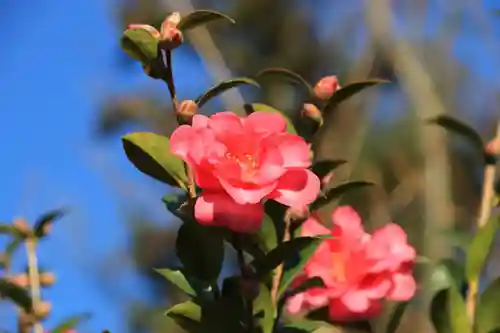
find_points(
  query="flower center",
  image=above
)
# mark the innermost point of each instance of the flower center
(247, 163)
(338, 267)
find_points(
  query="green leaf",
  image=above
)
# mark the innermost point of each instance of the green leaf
(479, 248)
(187, 315)
(307, 325)
(395, 318)
(263, 303)
(8, 229)
(251, 108)
(337, 192)
(266, 235)
(179, 206)
(201, 251)
(322, 168)
(70, 323)
(458, 127)
(150, 153)
(16, 294)
(287, 75)
(178, 279)
(446, 273)
(45, 221)
(140, 45)
(222, 87)
(448, 313)
(487, 318)
(199, 17)
(348, 91)
(314, 282)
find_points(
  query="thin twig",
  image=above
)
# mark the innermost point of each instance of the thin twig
(484, 215)
(34, 278)
(278, 272)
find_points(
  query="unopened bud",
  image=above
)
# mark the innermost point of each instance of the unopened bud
(172, 20)
(297, 214)
(187, 109)
(326, 87)
(171, 38)
(150, 29)
(21, 226)
(47, 279)
(311, 111)
(326, 179)
(42, 310)
(493, 147)
(20, 280)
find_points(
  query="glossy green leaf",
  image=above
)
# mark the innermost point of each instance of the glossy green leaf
(187, 315)
(16, 294)
(348, 91)
(202, 16)
(44, 222)
(222, 87)
(150, 153)
(448, 313)
(177, 278)
(140, 45)
(322, 168)
(487, 318)
(263, 304)
(251, 108)
(201, 251)
(446, 273)
(479, 248)
(306, 325)
(71, 322)
(395, 317)
(266, 235)
(337, 192)
(287, 75)
(459, 127)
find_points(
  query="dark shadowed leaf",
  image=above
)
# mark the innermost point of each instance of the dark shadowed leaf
(71, 322)
(310, 326)
(266, 235)
(337, 192)
(140, 45)
(359, 326)
(44, 222)
(448, 313)
(178, 279)
(395, 317)
(287, 75)
(16, 294)
(322, 168)
(263, 304)
(179, 206)
(348, 91)
(458, 127)
(187, 315)
(222, 87)
(201, 251)
(150, 153)
(479, 248)
(202, 16)
(314, 282)
(251, 108)
(487, 318)
(458, 238)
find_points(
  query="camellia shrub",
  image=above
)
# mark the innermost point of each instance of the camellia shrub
(252, 181)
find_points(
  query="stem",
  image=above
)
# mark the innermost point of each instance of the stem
(34, 278)
(244, 275)
(484, 215)
(169, 79)
(278, 272)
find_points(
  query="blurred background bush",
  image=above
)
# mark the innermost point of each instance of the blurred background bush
(67, 93)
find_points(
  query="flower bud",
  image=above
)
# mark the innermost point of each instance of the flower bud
(311, 111)
(47, 279)
(172, 20)
(42, 310)
(21, 280)
(140, 41)
(171, 38)
(21, 226)
(326, 87)
(326, 179)
(187, 109)
(493, 147)
(150, 29)
(297, 214)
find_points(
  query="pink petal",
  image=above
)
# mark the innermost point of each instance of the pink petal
(350, 223)
(339, 312)
(376, 286)
(271, 167)
(312, 227)
(356, 301)
(293, 149)
(205, 178)
(243, 195)
(267, 122)
(199, 121)
(404, 287)
(218, 209)
(297, 187)
(295, 304)
(226, 124)
(185, 143)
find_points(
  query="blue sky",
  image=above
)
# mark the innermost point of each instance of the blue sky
(57, 63)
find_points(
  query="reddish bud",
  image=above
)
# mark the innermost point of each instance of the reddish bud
(312, 111)
(187, 109)
(171, 38)
(42, 310)
(152, 30)
(326, 179)
(20, 280)
(21, 226)
(47, 279)
(172, 20)
(493, 147)
(326, 87)
(297, 214)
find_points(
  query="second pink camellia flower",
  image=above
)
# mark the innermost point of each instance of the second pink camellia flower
(238, 162)
(357, 269)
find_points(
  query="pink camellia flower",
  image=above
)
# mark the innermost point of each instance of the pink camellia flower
(357, 269)
(326, 87)
(239, 162)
